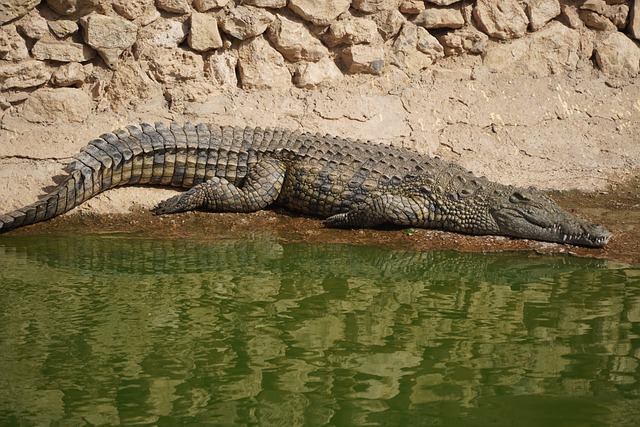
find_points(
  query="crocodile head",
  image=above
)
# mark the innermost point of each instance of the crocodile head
(477, 206)
(526, 213)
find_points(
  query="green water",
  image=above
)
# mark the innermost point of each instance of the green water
(108, 330)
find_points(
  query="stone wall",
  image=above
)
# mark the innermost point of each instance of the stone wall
(75, 55)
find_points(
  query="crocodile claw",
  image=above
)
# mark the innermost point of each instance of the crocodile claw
(174, 204)
(337, 221)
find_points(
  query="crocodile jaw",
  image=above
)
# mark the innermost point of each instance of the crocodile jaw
(550, 225)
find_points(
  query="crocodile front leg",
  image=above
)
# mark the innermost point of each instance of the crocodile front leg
(260, 189)
(383, 209)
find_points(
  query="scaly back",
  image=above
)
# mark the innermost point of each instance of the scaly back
(186, 155)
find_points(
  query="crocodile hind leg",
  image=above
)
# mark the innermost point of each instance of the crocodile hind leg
(383, 209)
(260, 189)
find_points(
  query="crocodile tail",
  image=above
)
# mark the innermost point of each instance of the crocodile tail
(97, 167)
(91, 172)
(57, 202)
(159, 154)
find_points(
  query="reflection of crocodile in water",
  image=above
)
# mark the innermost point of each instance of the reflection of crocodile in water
(352, 183)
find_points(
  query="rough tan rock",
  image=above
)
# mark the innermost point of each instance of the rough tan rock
(321, 13)
(71, 74)
(372, 6)
(98, 89)
(406, 53)
(313, 74)
(569, 16)
(133, 9)
(73, 7)
(553, 50)
(221, 68)
(261, 66)
(596, 21)
(149, 17)
(294, 40)
(110, 36)
(23, 75)
(540, 12)
(618, 56)
(176, 65)
(244, 22)
(600, 14)
(63, 27)
(467, 12)
(440, 17)
(130, 86)
(363, 58)
(429, 45)
(619, 15)
(162, 33)
(598, 6)
(464, 40)
(62, 51)
(174, 6)
(443, 2)
(352, 30)
(62, 105)
(206, 5)
(33, 25)
(274, 4)
(634, 20)
(12, 9)
(12, 45)
(412, 7)
(502, 19)
(204, 34)
(389, 23)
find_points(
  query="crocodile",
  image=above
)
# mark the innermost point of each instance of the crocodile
(350, 183)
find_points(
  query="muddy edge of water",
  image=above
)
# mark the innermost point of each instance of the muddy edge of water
(618, 209)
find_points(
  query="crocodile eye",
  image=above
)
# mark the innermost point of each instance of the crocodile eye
(425, 190)
(518, 197)
(465, 192)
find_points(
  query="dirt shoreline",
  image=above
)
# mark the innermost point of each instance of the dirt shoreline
(618, 210)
